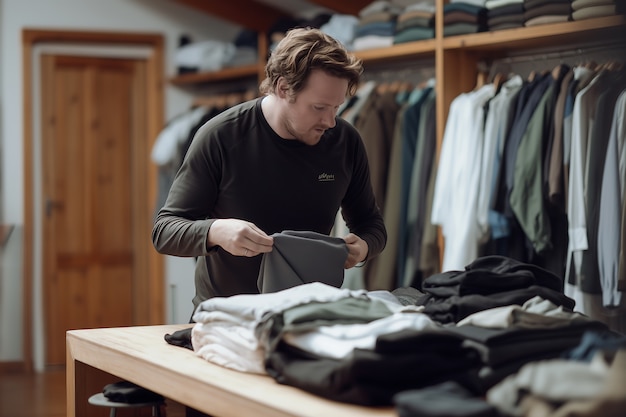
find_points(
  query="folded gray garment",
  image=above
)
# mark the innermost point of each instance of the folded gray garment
(301, 257)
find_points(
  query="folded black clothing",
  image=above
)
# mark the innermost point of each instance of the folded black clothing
(455, 308)
(370, 378)
(447, 399)
(489, 275)
(482, 281)
(127, 392)
(513, 8)
(503, 264)
(180, 338)
(514, 336)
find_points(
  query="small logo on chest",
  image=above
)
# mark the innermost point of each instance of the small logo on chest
(326, 177)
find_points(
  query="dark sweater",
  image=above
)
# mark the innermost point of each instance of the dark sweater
(238, 167)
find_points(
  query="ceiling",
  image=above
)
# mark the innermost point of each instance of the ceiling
(260, 15)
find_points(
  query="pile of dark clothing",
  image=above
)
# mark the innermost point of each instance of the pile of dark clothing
(480, 337)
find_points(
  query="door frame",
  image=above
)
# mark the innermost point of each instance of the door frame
(149, 48)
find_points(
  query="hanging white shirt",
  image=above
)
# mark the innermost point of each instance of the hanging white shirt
(458, 176)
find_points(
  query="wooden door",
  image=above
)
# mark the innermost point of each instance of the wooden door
(88, 113)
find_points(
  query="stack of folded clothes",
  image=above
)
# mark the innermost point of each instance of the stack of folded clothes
(461, 17)
(416, 22)
(341, 27)
(541, 12)
(504, 14)
(588, 9)
(377, 25)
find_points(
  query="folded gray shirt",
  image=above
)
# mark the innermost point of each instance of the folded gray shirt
(301, 257)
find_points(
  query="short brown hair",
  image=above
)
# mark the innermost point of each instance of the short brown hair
(303, 50)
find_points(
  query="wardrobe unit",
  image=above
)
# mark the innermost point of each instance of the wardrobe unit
(459, 60)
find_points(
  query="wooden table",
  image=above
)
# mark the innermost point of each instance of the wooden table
(141, 355)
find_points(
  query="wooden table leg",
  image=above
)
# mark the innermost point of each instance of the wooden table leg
(82, 381)
(70, 381)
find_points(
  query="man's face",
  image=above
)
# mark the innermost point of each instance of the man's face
(313, 110)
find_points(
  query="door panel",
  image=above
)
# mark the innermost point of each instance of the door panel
(88, 239)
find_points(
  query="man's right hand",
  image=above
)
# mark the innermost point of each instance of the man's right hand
(239, 237)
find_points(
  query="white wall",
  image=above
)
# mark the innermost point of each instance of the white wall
(153, 16)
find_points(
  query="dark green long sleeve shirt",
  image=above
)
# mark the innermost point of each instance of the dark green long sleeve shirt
(238, 167)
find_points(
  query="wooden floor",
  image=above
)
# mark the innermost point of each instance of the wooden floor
(32, 395)
(43, 395)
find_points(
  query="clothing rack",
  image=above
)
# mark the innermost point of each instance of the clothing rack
(542, 59)
(413, 72)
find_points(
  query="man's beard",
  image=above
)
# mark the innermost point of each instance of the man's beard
(301, 138)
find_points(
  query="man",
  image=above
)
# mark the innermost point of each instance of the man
(280, 162)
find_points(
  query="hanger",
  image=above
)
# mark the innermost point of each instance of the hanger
(481, 79)
(395, 86)
(611, 65)
(218, 101)
(233, 99)
(203, 101)
(498, 80)
(556, 71)
(382, 88)
(405, 86)
(251, 94)
(482, 74)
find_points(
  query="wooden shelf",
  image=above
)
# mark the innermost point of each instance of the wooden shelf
(417, 49)
(611, 29)
(227, 74)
